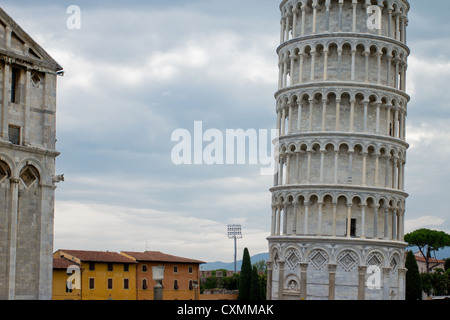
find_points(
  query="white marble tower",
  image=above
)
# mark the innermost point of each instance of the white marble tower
(338, 202)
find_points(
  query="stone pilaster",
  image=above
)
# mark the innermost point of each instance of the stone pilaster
(332, 281)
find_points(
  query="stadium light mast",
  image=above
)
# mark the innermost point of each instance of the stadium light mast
(235, 232)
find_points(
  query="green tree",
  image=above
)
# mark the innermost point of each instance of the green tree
(245, 277)
(425, 280)
(428, 241)
(413, 283)
(263, 287)
(231, 283)
(447, 272)
(211, 283)
(447, 264)
(261, 265)
(439, 281)
(255, 284)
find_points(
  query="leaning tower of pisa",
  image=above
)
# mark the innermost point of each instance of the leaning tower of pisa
(338, 202)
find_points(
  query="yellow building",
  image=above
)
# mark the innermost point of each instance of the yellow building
(60, 290)
(102, 275)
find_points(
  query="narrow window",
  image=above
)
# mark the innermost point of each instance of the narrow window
(144, 284)
(110, 266)
(126, 267)
(14, 135)
(175, 284)
(144, 268)
(15, 77)
(175, 269)
(190, 270)
(91, 283)
(110, 283)
(126, 284)
(191, 285)
(91, 266)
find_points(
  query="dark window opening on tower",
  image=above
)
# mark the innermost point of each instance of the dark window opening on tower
(352, 228)
(15, 77)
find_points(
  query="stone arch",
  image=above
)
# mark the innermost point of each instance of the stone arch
(318, 256)
(9, 162)
(275, 253)
(33, 162)
(376, 257)
(292, 257)
(348, 258)
(5, 171)
(29, 176)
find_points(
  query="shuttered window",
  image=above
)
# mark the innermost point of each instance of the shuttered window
(14, 135)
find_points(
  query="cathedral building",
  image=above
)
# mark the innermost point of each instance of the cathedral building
(28, 77)
(338, 201)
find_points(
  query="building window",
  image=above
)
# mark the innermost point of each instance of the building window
(110, 283)
(91, 266)
(126, 283)
(175, 269)
(91, 283)
(144, 268)
(14, 135)
(144, 284)
(15, 77)
(191, 270)
(175, 284)
(110, 266)
(126, 267)
(352, 228)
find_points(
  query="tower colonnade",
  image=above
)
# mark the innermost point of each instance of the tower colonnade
(300, 18)
(323, 58)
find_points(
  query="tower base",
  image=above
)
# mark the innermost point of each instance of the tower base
(328, 268)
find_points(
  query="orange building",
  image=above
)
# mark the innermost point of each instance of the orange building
(103, 275)
(181, 275)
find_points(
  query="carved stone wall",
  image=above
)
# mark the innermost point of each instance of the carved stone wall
(27, 164)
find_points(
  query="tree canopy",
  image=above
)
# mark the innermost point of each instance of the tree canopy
(413, 283)
(428, 241)
(245, 278)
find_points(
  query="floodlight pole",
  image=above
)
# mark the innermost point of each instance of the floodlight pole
(235, 252)
(234, 232)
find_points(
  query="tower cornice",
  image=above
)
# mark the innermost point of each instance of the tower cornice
(344, 36)
(406, 2)
(334, 135)
(342, 85)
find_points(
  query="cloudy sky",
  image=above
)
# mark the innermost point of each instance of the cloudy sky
(138, 70)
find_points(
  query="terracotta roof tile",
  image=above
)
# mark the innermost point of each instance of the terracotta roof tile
(431, 260)
(156, 256)
(61, 263)
(98, 256)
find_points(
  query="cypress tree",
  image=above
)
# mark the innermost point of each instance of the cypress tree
(255, 291)
(413, 282)
(245, 277)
